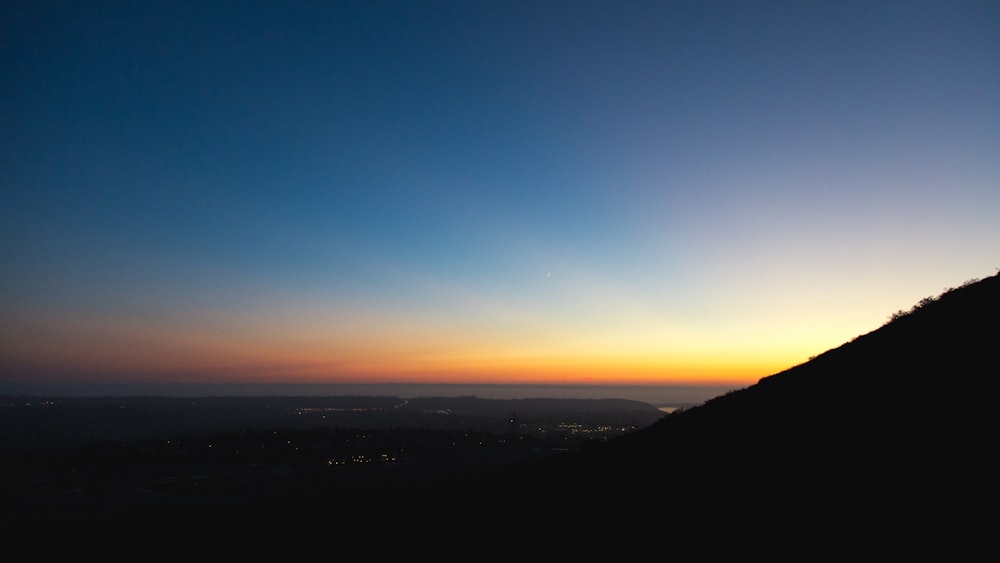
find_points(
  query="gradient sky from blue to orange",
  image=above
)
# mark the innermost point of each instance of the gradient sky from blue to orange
(477, 191)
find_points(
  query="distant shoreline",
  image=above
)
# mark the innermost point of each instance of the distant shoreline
(659, 395)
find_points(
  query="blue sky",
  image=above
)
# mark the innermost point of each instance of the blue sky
(484, 191)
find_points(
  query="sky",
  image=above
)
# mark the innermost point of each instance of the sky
(544, 192)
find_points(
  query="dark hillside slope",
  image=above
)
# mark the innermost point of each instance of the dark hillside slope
(888, 430)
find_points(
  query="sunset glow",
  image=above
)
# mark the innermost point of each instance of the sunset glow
(484, 192)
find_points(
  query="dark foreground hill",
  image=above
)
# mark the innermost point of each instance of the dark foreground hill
(886, 440)
(884, 445)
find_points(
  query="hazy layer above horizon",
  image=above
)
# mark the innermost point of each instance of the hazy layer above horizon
(653, 394)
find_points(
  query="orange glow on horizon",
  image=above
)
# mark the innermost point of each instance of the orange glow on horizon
(294, 349)
(511, 371)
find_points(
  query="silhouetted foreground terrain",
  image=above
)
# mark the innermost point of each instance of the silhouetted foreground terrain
(884, 441)
(884, 444)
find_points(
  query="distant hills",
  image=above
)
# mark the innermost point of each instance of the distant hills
(35, 423)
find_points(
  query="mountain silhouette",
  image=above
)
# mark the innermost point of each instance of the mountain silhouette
(883, 441)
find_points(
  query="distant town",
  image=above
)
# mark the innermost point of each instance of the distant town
(72, 453)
